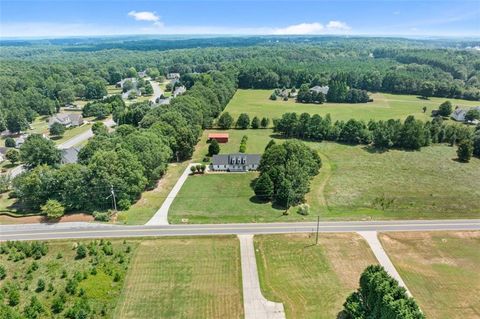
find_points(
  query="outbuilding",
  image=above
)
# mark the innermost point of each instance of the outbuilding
(219, 137)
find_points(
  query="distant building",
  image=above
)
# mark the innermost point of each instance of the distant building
(70, 155)
(236, 162)
(164, 101)
(179, 90)
(3, 153)
(219, 137)
(459, 113)
(71, 106)
(173, 76)
(317, 89)
(20, 140)
(66, 119)
(142, 74)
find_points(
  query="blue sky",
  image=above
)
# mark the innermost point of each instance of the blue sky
(21, 18)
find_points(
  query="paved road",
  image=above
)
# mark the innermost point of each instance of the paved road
(95, 230)
(157, 92)
(83, 136)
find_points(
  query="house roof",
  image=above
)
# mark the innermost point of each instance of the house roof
(4, 150)
(70, 155)
(217, 135)
(323, 89)
(238, 158)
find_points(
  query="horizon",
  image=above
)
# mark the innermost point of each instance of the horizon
(74, 18)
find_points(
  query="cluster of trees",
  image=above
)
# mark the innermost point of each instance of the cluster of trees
(102, 108)
(469, 147)
(410, 134)
(338, 92)
(128, 160)
(61, 292)
(380, 296)
(285, 173)
(226, 121)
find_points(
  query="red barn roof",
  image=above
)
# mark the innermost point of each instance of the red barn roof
(217, 135)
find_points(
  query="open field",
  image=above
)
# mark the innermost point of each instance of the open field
(440, 269)
(384, 106)
(184, 278)
(59, 266)
(354, 183)
(312, 281)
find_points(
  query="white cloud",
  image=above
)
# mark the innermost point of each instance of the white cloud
(144, 16)
(338, 26)
(302, 28)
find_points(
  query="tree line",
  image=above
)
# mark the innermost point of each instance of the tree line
(411, 134)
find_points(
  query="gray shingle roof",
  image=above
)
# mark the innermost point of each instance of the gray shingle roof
(238, 158)
(70, 155)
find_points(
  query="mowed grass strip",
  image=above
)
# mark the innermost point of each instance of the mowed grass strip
(184, 278)
(440, 269)
(383, 107)
(312, 281)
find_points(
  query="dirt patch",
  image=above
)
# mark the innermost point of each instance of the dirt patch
(80, 217)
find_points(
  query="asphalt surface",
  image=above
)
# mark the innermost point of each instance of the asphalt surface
(95, 230)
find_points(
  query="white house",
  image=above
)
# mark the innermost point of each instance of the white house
(66, 120)
(179, 90)
(236, 162)
(459, 113)
(317, 89)
(173, 76)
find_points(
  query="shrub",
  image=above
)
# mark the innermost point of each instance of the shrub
(3, 272)
(193, 169)
(81, 251)
(10, 142)
(101, 216)
(445, 109)
(465, 151)
(273, 96)
(53, 209)
(57, 129)
(303, 209)
(124, 204)
(40, 285)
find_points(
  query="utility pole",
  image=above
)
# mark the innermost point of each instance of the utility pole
(318, 225)
(112, 191)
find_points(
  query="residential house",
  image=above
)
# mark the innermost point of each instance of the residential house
(3, 153)
(219, 137)
(66, 119)
(320, 89)
(459, 113)
(20, 140)
(70, 155)
(236, 162)
(71, 106)
(142, 74)
(179, 90)
(173, 76)
(164, 101)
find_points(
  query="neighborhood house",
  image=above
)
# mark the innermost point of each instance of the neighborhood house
(219, 137)
(236, 162)
(70, 155)
(459, 114)
(179, 91)
(173, 76)
(320, 89)
(66, 120)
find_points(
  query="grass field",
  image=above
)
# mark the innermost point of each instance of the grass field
(384, 106)
(312, 281)
(440, 269)
(354, 183)
(60, 265)
(71, 132)
(184, 278)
